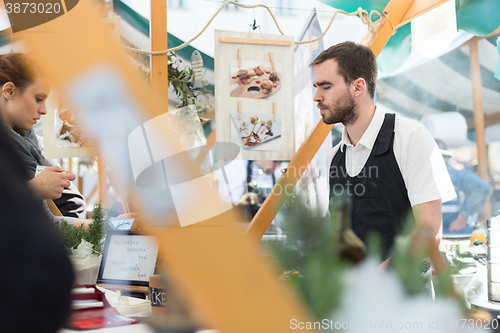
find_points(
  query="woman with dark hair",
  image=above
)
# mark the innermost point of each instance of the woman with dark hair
(38, 276)
(24, 92)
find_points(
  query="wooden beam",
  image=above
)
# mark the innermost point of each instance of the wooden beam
(395, 10)
(79, 177)
(418, 8)
(286, 183)
(496, 32)
(489, 120)
(220, 278)
(478, 109)
(53, 208)
(211, 139)
(158, 36)
(102, 182)
(482, 156)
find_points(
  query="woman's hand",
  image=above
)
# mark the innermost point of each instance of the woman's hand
(50, 183)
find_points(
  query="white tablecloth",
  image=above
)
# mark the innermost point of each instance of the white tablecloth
(127, 306)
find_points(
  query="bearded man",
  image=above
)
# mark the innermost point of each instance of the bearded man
(389, 165)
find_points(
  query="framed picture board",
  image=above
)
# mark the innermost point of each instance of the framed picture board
(62, 135)
(129, 258)
(254, 95)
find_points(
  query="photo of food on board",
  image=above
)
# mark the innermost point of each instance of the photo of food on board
(255, 129)
(254, 79)
(68, 131)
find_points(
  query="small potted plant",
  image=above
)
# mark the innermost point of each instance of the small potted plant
(85, 246)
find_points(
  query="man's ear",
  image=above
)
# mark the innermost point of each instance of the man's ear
(8, 90)
(359, 86)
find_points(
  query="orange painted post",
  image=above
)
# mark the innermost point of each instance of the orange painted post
(53, 208)
(218, 276)
(80, 178)
(395, 11)
(478, 109)
(296, 168)
(158, 36)
(211, 139)
(420, 7)
(102, 182)
(482, 156)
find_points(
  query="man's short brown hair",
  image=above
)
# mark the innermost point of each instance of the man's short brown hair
(354, 61)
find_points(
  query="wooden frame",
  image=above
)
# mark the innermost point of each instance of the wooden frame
(158, 33)
(218, 275)
(212, 268)
(240, 47)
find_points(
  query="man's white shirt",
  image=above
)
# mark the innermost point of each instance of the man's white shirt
(417, 155)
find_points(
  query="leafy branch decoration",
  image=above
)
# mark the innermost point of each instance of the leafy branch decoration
(182, 83)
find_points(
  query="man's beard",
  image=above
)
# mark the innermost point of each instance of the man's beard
(341, 112)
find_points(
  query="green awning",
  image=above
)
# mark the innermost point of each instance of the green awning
(477, 17)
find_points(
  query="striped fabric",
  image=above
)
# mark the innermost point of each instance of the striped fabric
(444, 84)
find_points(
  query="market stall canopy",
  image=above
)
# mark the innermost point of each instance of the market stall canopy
(444, 84)
(415, 87)
(477, 17)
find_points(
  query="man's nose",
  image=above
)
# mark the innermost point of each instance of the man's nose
(317, 96)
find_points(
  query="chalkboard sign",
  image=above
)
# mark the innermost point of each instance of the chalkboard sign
(129, 258)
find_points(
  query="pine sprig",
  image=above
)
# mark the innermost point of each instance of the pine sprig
(98, 229)
(71, 235)
(316, 259)
(95, 235)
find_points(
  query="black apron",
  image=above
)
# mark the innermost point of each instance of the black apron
(379, 196)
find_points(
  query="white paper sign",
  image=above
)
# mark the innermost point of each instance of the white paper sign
(129, 257)
(434, 31)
